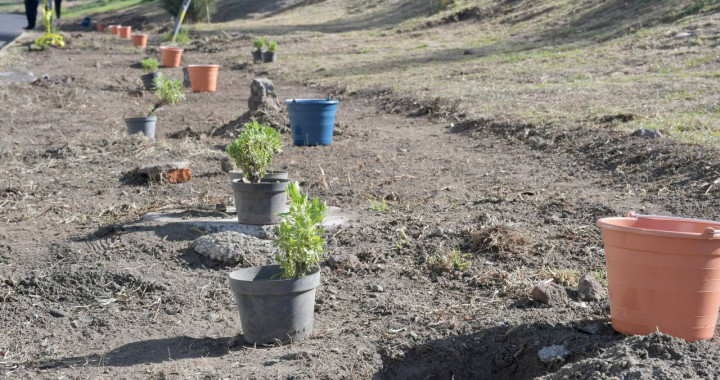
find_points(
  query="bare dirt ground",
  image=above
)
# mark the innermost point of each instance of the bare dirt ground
(84, 294)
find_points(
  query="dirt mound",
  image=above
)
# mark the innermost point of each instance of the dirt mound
(505, 243)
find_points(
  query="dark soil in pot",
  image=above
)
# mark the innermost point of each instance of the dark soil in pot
(144, 125)
(270, 174)
(273, 309)
(258, 203)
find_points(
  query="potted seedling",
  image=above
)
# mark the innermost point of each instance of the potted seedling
(150, 66)
(258, 200)
(168, 92)
(277, 302)
(271, 54)
(258, 53)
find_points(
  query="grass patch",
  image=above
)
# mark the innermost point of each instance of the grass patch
(100, 6)
(182, 38)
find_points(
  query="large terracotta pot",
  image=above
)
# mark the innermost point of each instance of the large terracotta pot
(100, 27)
(203, 78)
(171, 56)
(124, 32)
(663, 275)
(114, 29)
(140, 40)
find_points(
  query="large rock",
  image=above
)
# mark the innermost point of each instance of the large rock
(589, 288)
(549, 293)
(232, 247)
(262, 96)
(173, 172)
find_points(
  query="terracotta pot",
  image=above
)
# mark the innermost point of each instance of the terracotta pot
(114, 29)
(140, 40)
(203, 78)
(124, 31)
(663, 275)
(171, 56)
(100, 27)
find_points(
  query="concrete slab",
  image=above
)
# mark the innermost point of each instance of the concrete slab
(18, 77)
(177, 223)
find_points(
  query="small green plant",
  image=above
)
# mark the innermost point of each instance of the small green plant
(259, 43)
(454, 260)
(272, 46)
(403, 241)
(150, 65)
(299, 235)
(182, 38)
(254, 150)
(168, 92)
(380, 206)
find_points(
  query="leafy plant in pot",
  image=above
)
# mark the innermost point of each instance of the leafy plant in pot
(258, 53)
(168, 92)
(271, 54)
(150, 66)
(258, 200)
(277, 302)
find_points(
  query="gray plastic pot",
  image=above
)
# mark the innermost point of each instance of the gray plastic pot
(257, 203)
(273, 309)
(257, 56)
(269, 57)
(144, 125)
(270, 174)
(149, 80)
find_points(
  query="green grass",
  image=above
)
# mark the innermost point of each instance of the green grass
(101, 6)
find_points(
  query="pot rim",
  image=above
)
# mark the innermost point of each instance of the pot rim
(712, 232)
(172, 48)
(312, 101)
(123, 27)
(265, 185)
(144, 118)
(202, 65)
(140, 35)
(268, 286)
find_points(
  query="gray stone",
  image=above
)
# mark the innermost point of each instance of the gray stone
(233, 247)
(262, 95)
(647, 133)
(469, 52)
(75, 324)
(377, 288)
(553, 353)
(589, 288)
(549, 293)
(212, 317)
(57, 313)
(683, 35)
(18, 77)
(156, 170)
(344, 261)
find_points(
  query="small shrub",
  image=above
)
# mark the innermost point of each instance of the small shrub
(259, 43)
(380, 206)
(196, 12)
(182, 38)
(299, 235)
(168, 92)
(272, 46)
(254, 150)
(150, 65)
(451, 261)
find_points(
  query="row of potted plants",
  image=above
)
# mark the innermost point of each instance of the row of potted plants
(265, 56)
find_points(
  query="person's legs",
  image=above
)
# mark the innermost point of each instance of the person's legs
(31, 13)
(57, 8)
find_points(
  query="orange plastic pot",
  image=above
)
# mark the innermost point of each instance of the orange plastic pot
(203, 78)
(100, 27)
(663, 275)
(171, 56)
(140, 40)
(124, 31)
(114, 29)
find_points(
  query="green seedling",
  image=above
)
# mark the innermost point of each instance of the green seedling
(380, 206)
(272, 46)
(150, 65)
(168, 92)
(254, 150)
(259, 43)
(299, 235)
(450, 261)
(182, 38)
(403, 241)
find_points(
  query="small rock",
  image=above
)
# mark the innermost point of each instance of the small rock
(233, 247)
(344, 261)
(271, 362)
(593, 328)
(86, 319)
(589, 288)
(647, 133)
(98, 64)
(221, 207)
(377, 288)
(683, 35)
(438, 232)
(45, 76)
(578, 305)
(75, 324)
(173, 172)
(49, 351)
(331, 291)
(553, 353)
(606, 305)
(212, 317)
(469, 52)
(549, 293)
(57, 313)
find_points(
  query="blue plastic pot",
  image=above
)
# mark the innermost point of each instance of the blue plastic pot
(312, 120)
